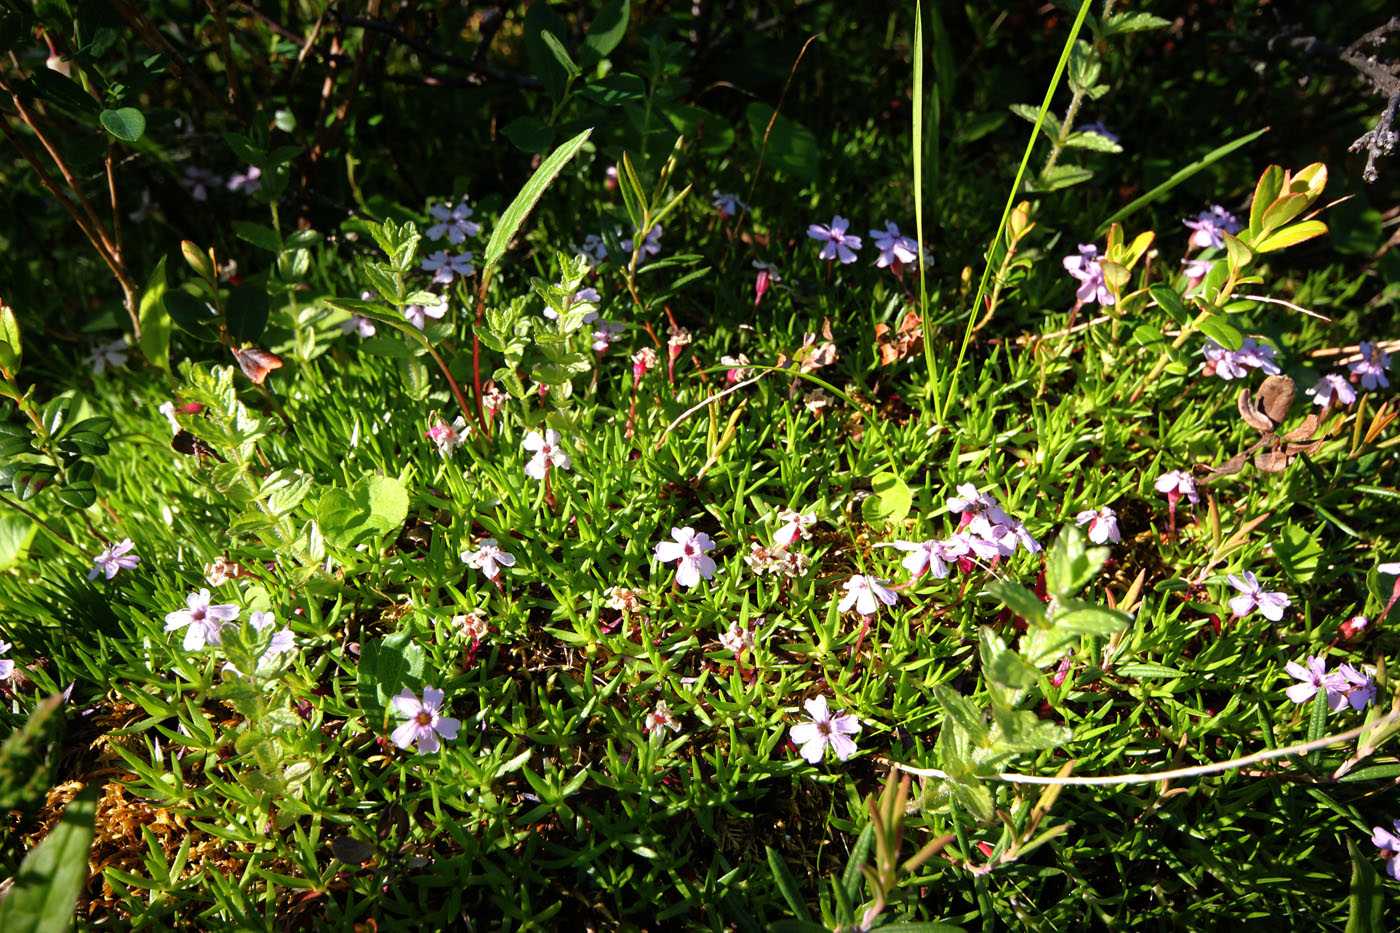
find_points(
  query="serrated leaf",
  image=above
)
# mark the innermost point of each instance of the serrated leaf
(1132, 22)
(962, 713)
(287, 497)
(525, 201)
(1096, 142)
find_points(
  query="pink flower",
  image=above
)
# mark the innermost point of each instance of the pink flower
(1388, 842)
(1103, 524)
(1314, 677)
(766, 278)
(201, 621)
(546, 453)
(489, 558)
(795, 524)
(1252, 596)
(7, 665)
(928, 557)
(425, 721)
(866, 593)
(661, 716)
(1372, 366)
(115, 558)
(837, 242)
(689, 549)
(1177, 484)
(247, 182)
(447, 437)
(825, 730)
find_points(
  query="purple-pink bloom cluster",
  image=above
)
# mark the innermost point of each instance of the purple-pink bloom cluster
(1372, 366)
(1210, 226)
(1346, 686)
(1087, 269)
(826, 729)
(201, 621)
(114, 558)
(1235, 364)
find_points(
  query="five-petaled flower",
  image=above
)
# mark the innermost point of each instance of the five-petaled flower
(1388, 841)
(1332, 386)
(893, 247)
(1103, 524)
(1085, 267)
(201, 621)
(489, 558)
(865, 593)
(727, 204)
(452, 221)
(1312, 677)
(688, 549)
(114, 558)
(736, 638)
(1361, 689)
(927, 557)
(1210, 226)
(1252, 596)
(417, 315)
(546, 453)
(837, 242)
(1372, 366)
(425, 721)
(825, 729)
(445, 267)
(1176, 484)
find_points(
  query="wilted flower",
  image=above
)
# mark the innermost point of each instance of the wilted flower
(472, 624)
(109, 354)
(417, 315)
(114, 558)
(836, 241)
(736, 638)
(643, 360)
(452, 221)
(825, 729)
(445, 267)
(865, 593)
(1210, 226)
(893, 247)
(737, 371)
(1332, 386)
(256, 363)
(546, 453)
(1103, 524)
(1085, 267)
(624, 600)
(425, 721)
(727, 204)
(795, 524)
(1372, 366)
(817, 400)
(223, 570)
(1252, 596)
(688, 549)
(201, 621)
(489, 558)
(661, 716)
(447, 437)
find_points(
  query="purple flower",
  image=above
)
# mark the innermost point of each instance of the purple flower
(7, 666)
(358, 322)
(1315, 677)
(594, 248)
(893, 247)
(865, 593)
(838, 243)
(425, 721)
(453, 222)
(1085, 267)
(546, 453)
(1176, 484)
(116, 557)
(1388, 841)
(1361, 691)
(1332, 386)
(688, 549)
(1234, 364)
(605, 333)
(201, 621)
(445, 266)
(1252, 596)
(977, 507)
(489, 558)
(200, 180)
(1211, 226)
(927, 557)
(1372, 366)
(1099, 129)
(1197, 269)
(651, 244)
(727, 204)
(824, 730)
(248, 182)
(282, 642)
(1103, 524)
(418, 315)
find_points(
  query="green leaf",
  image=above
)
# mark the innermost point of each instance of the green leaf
(287, 497)
(1265, 192)
(375, 505)
(1132, 22)
(127, 123)
(1093, 141)
(1019, 600)
(1169, 301)
(541, 20)
(974, 798)
(561, 54)
(246, 312)
(259, 235)
(1142, 670)
(787, 884)
(190, 314)
(1291, 236)
(1366, 898)
(1238, 255)
(525, 201)
(11, 346)
(52, 875)
(155, 320)
(792, 148)
(962, 713)
(889, 502)
(1093, 620)
(1222, 332)
(1063, 176)
(387, 667)
(1070, 565)
(615, 90)
(529, 133)
(16, 531)
(605, 32)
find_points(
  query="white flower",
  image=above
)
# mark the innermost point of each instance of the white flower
(736, 639)
(866, 593)
(1176, 484)
(1103, 524)
(927, 556)
(489, 558)
(109, 354)
(825, 729)
(201, 621)
(447, 437)
(546, 453)
(425, 721)
(661, 716)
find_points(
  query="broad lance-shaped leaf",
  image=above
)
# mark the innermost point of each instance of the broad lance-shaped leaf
(525, 201)
(51, 876)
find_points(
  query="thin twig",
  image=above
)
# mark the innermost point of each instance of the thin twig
(1288, 304)
(709, 401)
(418, 45)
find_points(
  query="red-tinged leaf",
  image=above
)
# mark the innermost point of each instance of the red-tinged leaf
(256, 364)
(1291, 236)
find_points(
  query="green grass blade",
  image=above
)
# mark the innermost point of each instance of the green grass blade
(525, 201)
(48, 882)
(918, 144)
(1215, 155)
(1011, 197)
(1366, 897)
(787, 884)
